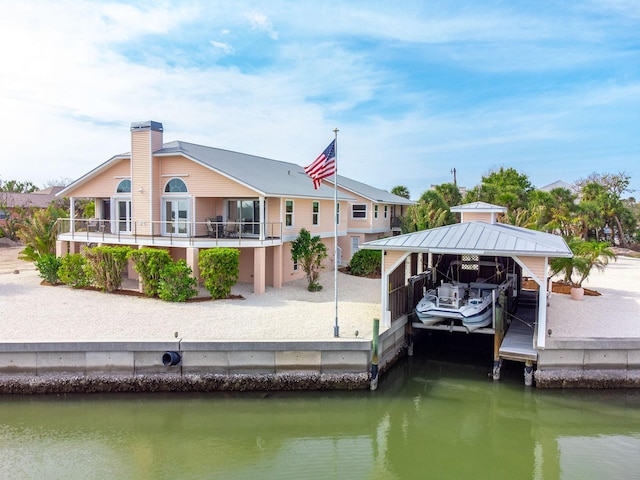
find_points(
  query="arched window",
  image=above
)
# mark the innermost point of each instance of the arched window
(175, 185)
(124, 187)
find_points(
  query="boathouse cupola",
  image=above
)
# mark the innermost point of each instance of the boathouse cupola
(482, 211)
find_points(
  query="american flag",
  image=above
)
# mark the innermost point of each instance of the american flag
(324, 166)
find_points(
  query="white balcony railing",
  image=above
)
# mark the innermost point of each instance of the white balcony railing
(175, 232)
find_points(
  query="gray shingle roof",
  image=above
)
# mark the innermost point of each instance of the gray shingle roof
(266, 176)
(372, 193)
(479, 238)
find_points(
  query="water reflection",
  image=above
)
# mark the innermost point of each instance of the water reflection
(431, 418)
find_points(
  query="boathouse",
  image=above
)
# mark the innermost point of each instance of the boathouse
(413, 261)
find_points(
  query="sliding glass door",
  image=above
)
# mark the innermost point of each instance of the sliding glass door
(246, 212)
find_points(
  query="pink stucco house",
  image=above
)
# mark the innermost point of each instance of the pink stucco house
(186, 197)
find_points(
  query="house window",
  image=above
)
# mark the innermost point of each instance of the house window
(175, 185)
(295, 265)
(359, 210)
(124, 187)
(316, 213)
(337, 214)
(386, 211)
(375, 211)
(288, 213)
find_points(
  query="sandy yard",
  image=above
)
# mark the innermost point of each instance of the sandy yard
(30, 311)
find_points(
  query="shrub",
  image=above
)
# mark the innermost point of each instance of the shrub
(150, 264)
(105, 266)
(366, 262)
(220, 269)
(309, 252)
(48, 265)
(177, 283)
(73, 271)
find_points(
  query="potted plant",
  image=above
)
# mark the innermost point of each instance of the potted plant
(586, 256)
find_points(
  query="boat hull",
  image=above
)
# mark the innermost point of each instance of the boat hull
(474, 313)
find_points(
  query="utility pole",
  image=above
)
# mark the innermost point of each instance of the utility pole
(455, 182)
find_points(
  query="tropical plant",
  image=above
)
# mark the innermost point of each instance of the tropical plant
(505, 186)
(105, 265)
(450, 193)
(48, 265)
(401, 191)
(586, 256)
(309, 252)
(150, 264)
(430, 211)
(13, 222)
(177, 283)
(73, 271)
(38, 232)
(220, 269)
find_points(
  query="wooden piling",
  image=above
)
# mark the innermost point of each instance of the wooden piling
(374, 353)
(498, 335)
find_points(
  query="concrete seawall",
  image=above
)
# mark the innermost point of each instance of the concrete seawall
(55, 367)
(589, 363)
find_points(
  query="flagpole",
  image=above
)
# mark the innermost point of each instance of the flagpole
(336, 328)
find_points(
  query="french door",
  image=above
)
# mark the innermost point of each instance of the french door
(123, 215)
(176, 216)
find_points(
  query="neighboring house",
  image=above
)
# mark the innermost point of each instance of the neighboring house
(186, 197)
(373, 214)
(10, 202)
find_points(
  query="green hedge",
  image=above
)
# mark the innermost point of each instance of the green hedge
(73, 271)
(150, 264)
(366, 262)
(220, 269)
(177, 283)
(105, 266)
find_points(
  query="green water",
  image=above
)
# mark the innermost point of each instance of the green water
(429, 419)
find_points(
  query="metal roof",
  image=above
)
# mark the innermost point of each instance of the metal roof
(479, 207)
(478, 238)
(371, 193)
(265, 176)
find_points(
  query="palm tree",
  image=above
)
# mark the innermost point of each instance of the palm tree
(586, 256)
(401, 191)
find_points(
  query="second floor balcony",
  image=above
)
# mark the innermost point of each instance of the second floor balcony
(179, 233)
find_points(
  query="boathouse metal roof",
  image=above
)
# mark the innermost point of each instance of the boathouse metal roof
(479, 207)
(477, 237)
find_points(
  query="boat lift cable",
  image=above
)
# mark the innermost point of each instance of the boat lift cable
(513, 317)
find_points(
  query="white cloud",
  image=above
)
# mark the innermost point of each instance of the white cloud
(224, 48)
(68, 92)
(260, 22)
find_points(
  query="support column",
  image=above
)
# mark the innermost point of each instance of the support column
(62, 247)
(192, 255)
(259, 270)
(528, 373)
(278, 267)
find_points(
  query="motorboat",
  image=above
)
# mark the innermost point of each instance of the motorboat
(470, 303)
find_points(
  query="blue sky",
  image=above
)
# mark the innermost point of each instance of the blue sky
(416, 89)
